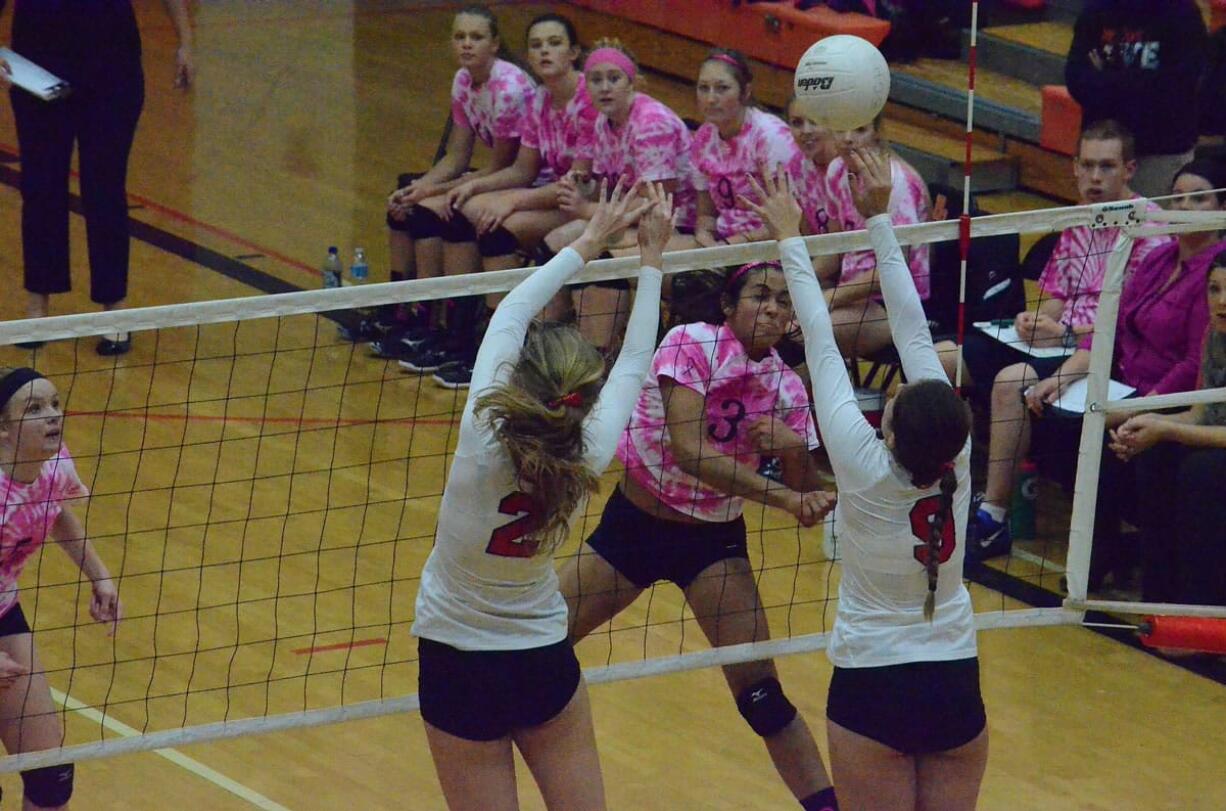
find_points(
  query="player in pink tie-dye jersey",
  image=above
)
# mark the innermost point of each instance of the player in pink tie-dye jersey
(38, 480)
(635, 138)
(860, 324)
(817, 148)
(488, 99)
(734, 143)
(717, 400)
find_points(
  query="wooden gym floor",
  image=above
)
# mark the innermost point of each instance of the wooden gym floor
(303, 114)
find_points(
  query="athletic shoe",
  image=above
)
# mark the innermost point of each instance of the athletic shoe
(456, 375)
(398, 343)
(364, 331)
(429, 357)
(985, 536)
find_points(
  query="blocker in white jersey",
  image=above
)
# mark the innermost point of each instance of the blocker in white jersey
(903, 646)
(539, 427)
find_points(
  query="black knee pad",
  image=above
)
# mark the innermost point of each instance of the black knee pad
(49, 787)
(765, 707)
(543, 254)
(458, 229)
(419, 222)
(499, 242)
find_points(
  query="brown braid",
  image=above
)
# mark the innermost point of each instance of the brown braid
(936, 535)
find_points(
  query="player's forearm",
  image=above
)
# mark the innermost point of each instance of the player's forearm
(1196, 436)
(181, 19)
(800, 470)
(726, 474)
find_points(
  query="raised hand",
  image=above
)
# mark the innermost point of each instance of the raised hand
(656, 224)
(871, 182)
(778, 208)
(614, 213)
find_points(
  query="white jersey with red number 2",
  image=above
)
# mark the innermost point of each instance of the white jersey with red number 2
(483, 587)
(882, 519)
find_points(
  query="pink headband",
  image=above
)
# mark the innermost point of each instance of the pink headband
(611, 56)
(743, 269)
(727, 60)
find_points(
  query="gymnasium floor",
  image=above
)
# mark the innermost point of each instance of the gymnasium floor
(302, 115)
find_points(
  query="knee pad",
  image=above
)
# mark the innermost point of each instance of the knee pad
(419, 223)
(457, 229)
(49, 787)
(499, 242)
(543, 254)
(764, 706)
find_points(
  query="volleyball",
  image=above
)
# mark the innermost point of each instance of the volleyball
(842, 82)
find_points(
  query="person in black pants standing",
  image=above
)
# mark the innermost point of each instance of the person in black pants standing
(95, 46)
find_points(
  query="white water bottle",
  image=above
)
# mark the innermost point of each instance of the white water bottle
(359, 271)
(332, 269)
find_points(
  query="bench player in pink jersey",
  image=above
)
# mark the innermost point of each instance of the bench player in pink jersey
(734, 143)
(718, 398)
(38, 483)
(817, 147)
(635, 138)
(854, 286)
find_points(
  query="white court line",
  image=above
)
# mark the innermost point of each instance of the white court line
(173, 755)
(1038, 560)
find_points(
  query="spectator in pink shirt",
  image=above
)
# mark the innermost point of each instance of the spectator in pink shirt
(736, 141)
(853, 289)
(38, 482)
(1070, 287)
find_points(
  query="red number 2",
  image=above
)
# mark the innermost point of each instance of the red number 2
(508, 540)
(922, 515)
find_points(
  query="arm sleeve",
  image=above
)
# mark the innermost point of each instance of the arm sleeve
(612, 411)
(908, 324)
(1085, 83)
(850, 440)
(513, 95)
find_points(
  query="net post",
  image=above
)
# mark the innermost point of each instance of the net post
(1094, 422)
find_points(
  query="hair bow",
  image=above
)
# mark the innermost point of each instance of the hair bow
(574, 400)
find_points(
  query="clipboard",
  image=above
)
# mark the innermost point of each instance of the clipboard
(34, 79)
(1005, 332)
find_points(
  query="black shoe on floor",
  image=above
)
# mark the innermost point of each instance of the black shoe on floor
(458, 375)
(30, 344)
(119, 344)
(429, 358)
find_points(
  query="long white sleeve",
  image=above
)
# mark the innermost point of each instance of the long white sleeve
(850, 441)
(609, 417)
(908, 323)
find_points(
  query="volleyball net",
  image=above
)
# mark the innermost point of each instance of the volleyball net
(265, 495)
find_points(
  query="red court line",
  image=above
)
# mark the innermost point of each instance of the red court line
(165, 417)
(361, 643)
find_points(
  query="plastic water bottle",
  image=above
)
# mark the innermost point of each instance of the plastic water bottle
(359, 271)
(333, 269)
(1021, 512)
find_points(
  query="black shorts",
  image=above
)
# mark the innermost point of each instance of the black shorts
(915, 708)
(487, 695)
(644, 548)
(985, 358)
(14, 622)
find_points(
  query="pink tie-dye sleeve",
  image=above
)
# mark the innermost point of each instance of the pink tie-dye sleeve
(461, 91)
(66, 483)
(584, 134)
(657, 147)
(685, 356)
(530, 124)
(512, 93)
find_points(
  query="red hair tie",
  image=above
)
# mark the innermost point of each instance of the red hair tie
(574, 400)
(948, 467)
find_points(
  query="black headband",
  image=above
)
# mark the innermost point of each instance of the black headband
(13, 381)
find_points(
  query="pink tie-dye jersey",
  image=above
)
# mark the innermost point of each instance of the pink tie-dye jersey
(722, 167)
(1074, 273)
(27, 513)
(909, 204)
(561, 136)
(495, 110)
(810, 190)
(653, 144)
(709, 360)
